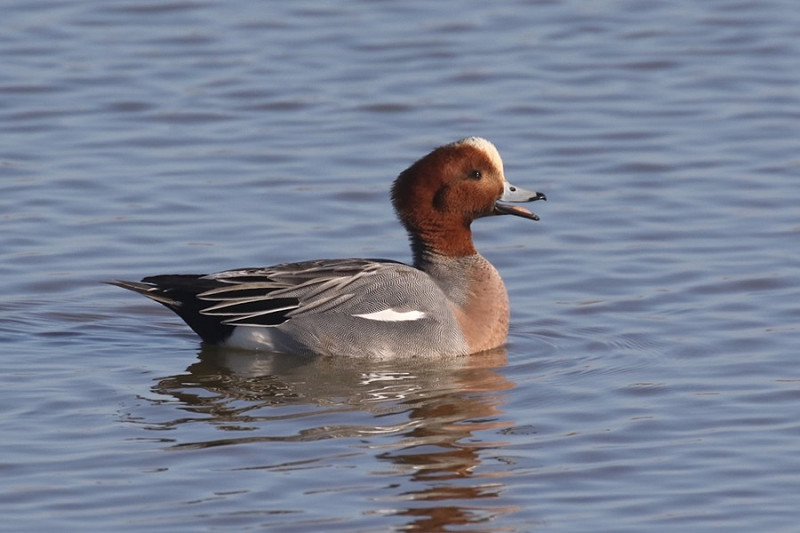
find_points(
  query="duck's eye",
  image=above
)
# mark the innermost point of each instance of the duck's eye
(475, 174)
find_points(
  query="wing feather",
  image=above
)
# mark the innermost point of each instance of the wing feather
(270, 296)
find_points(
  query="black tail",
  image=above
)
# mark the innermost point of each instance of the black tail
(179, 293)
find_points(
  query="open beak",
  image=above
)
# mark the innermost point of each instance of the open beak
(517, 195)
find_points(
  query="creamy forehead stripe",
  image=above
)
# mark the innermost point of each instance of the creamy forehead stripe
(487, 147)
(391, 315)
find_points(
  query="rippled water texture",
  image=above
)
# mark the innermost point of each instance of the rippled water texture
(650, 382)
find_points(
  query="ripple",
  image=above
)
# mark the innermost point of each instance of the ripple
(648, 380)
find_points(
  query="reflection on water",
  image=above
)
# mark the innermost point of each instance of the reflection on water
(655, 309)
(432, 409)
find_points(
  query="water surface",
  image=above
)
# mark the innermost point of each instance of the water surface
(650, 381)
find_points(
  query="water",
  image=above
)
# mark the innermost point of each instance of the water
(650, 379)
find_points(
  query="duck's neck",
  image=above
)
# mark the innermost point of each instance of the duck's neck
(432, 242)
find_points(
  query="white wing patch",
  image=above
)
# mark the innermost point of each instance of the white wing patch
(391, 315)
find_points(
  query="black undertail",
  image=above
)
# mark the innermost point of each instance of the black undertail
(179, 293)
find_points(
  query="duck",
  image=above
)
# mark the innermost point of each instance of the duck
(450, 301)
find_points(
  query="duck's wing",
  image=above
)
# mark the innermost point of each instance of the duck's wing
(213, 304)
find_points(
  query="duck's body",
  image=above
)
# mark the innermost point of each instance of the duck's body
(452, 301)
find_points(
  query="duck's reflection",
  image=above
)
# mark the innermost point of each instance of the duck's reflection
(443, 414)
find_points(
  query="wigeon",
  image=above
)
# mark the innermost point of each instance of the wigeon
(451, 301)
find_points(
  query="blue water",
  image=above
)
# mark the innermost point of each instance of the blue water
(650, 381)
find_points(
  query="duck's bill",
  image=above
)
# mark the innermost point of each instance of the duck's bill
(516, 194)
(505, 209)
